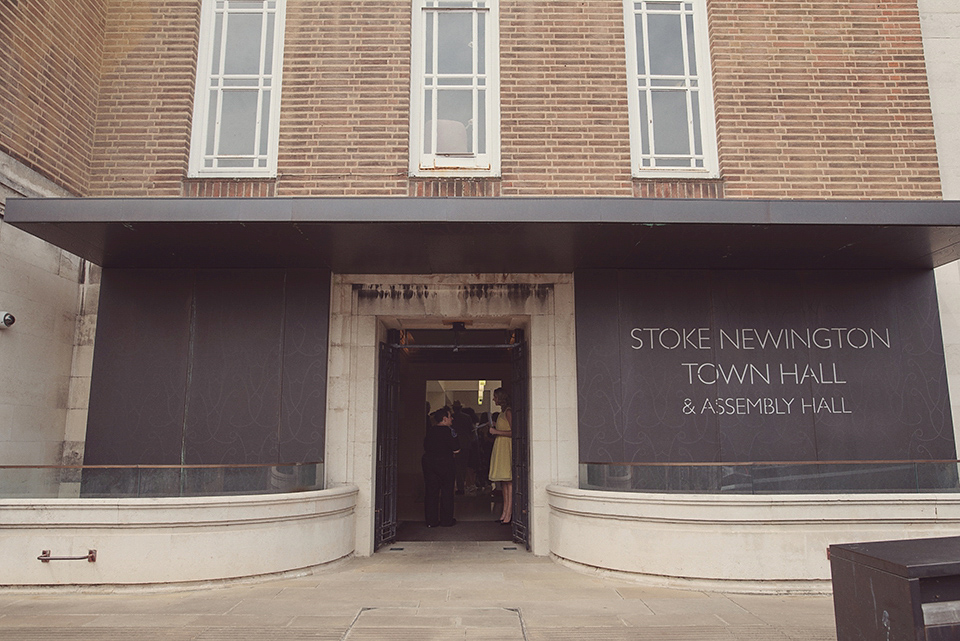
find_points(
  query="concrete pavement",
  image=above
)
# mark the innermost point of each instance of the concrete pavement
(421, 591)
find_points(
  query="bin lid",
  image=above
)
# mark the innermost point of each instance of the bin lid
(909, 558)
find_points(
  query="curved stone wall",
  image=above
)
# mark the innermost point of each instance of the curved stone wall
(174, 540)
(736, 543)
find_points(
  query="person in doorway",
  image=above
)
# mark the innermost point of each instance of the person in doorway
(472, 448)
(440, 446)
(501, 458)
(485, 442)
(462, 426)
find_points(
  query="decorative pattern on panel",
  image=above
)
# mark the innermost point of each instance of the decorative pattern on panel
(140, 367)
(230, 188)
(233, 388)
(678, 189)
(210, 366)
(454, 187)
(304, 385)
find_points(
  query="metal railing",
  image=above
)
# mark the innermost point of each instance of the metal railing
(117, 481)
(775, 477)
(46, 557)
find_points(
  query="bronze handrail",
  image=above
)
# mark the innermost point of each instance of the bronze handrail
(189, 466)
(752, 463)
(90, 556)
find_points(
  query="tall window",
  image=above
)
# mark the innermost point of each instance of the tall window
(672, 128)
(454, 95)
(237, 103)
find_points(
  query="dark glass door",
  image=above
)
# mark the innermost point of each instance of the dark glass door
(388, 431)
(521, 441)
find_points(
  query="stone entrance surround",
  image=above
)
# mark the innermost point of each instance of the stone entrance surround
(364, 307)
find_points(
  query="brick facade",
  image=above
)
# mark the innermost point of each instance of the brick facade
(564, 120)
(455, 187)
(822, 100)
(229, 188)
(813, 100)
(146, 98)
(50, 60)
(346, 87)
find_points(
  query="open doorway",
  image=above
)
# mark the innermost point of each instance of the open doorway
(477, 502)
(439, 368)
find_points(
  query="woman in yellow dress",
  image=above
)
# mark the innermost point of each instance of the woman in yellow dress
(501, 458)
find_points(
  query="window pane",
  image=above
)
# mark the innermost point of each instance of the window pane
(666, 45)
(454, 117)
(241, 82)
(673, 162)
(482, 122)
(264, 121)
(429, 19)
(455, 53)
(268, 51)
(676, 83)
(697, 135)
(217, 42)
(428, 122)
(238, 123)
(243, 44)
(235, 163)
(670, 133)
(644, 125)
(691, 47)
(481, 43)
(212, 123)
(638, 25)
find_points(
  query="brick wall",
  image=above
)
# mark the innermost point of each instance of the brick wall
(820, 99)
(49, 66)
(565, 128)
(346, 89)
(146, 98)
(814, 99)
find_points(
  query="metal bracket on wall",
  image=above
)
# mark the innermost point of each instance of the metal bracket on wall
(91, 556)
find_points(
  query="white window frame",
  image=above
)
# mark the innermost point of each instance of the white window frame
(423, 163)
(204, 164)
(697, 86)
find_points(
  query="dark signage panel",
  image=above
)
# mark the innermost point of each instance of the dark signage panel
(710, 366)
(138, 386)
(209, 366)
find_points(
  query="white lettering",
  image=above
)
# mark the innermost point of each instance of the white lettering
(735, 341)
(633, 334)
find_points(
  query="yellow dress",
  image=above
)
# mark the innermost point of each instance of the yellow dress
(501, 458)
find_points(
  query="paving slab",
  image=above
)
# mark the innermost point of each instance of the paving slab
(424, 591)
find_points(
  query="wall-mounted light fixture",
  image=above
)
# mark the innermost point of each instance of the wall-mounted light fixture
(6, 320)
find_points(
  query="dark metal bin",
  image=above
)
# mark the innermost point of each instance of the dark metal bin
(897, 590)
